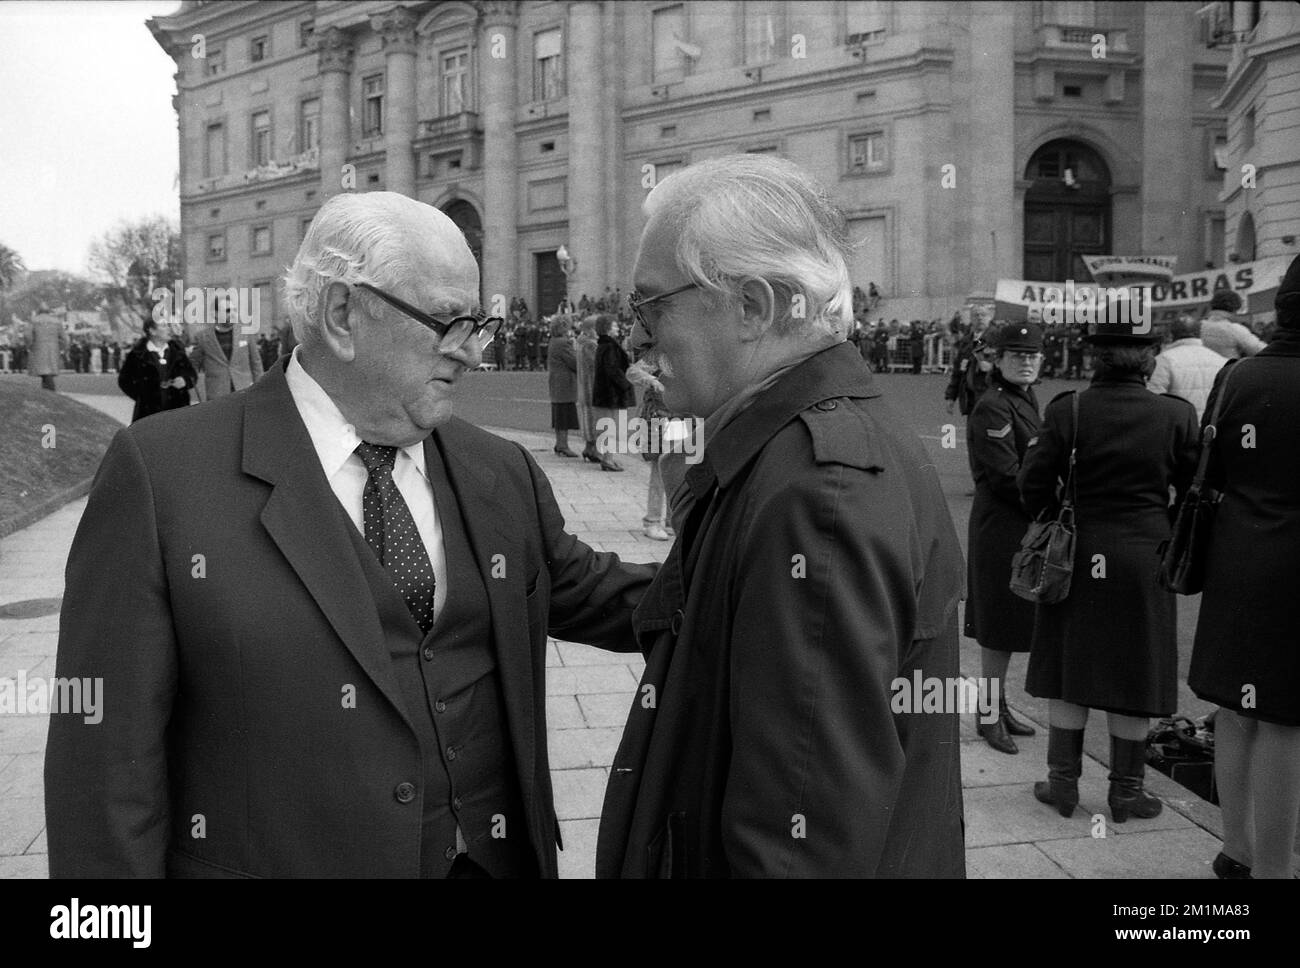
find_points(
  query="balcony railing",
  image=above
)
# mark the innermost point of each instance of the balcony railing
(1059, 35)
(464, 123)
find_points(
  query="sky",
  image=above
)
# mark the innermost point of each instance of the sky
(87, 132)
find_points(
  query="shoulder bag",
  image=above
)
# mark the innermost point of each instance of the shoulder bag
(1183, 556)
(1041, 570)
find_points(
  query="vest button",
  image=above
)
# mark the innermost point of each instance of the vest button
(439, 706)
(450, 853)
(451, 752)
(405, 792)
(428, 653)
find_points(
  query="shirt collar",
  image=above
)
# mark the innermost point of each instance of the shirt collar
(333, 437)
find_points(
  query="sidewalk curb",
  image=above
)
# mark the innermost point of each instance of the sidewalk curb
(25, 519)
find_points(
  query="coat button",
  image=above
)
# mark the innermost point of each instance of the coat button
(405, 792)
(451, 752)
(824, 405)
(676, 624)
(450, 853)
(455, 803)
(439, 706)
(428, 653)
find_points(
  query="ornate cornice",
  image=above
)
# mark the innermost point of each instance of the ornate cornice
(497, 13)
(334, 50)
(397, 28)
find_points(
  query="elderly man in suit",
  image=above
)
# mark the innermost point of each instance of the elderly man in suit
(319, 608)
(228, 360)
(816, 572)
(48, 341)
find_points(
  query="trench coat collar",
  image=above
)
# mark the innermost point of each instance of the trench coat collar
(837, 371)
(1285, 342)
(1119, 380)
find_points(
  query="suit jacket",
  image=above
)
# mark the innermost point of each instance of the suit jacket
(229, 644)
(223, 376)
(819, 565)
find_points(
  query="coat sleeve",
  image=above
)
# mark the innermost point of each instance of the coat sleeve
(107, 812)
(1045, 463)
(185, 368)
(593, 593)
(993, 446)
(1187, 450)
(128, 374)
(825, 596)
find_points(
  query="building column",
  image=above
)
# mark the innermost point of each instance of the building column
(497, 60)
(397, 28)
(588, 239)
(995, 244)
(1168, 226)
(334, 50)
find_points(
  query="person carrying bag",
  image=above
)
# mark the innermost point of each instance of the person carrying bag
(1042, 568)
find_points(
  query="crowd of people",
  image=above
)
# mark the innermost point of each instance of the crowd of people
(816, 566)
(1115, 452)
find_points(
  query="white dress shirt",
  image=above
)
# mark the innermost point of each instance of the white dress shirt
(336, 442)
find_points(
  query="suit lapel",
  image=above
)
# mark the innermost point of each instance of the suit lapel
(486, 525)
(307, 523)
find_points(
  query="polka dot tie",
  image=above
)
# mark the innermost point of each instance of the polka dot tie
(392, 535)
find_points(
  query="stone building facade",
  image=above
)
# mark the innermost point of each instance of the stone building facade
(1261, 152)
(966, 141)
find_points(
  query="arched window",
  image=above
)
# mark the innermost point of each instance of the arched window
(1067, 211)
(467, 220)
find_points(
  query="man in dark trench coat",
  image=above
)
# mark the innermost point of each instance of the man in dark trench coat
(815, 577)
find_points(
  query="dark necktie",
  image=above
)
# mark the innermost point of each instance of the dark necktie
(392, 535)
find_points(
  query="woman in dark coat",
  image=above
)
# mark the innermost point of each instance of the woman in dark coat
(1112, 644)
(157, 373)
(1247, 652)
(1001, 425)
(562, 380)
(611, 390)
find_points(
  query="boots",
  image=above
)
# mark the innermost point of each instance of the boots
(1064, 764)
(995, 734)
(1127, 766)
(1013, 726)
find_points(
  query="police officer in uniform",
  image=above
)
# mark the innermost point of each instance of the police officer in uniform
(1002, 426)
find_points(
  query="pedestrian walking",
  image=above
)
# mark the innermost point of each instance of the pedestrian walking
(610, 390)
(1003, 422)
(157, 373)
(1245, 658)
(48, 343)
(1112, 643)
(562, 383)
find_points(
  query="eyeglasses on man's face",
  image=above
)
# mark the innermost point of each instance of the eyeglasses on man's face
(639, 302)
(453, 332)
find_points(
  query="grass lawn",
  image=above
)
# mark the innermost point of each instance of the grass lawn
(47, 443)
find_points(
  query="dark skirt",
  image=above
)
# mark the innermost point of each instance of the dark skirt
(995, 617)
(564, 416)
(1113, 643)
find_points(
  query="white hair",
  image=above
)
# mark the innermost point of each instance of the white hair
(373, 237)
(763, 217)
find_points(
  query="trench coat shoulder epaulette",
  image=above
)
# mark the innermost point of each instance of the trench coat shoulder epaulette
(842, 434)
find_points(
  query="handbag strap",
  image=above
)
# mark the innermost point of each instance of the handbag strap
(1209, 432)
(1068, 493)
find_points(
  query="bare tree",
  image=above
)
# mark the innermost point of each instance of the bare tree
(134, 258)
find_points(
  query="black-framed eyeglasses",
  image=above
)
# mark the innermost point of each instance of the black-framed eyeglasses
(638, 302)
(453, 332)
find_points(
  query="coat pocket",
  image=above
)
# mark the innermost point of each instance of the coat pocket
(666, 852)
